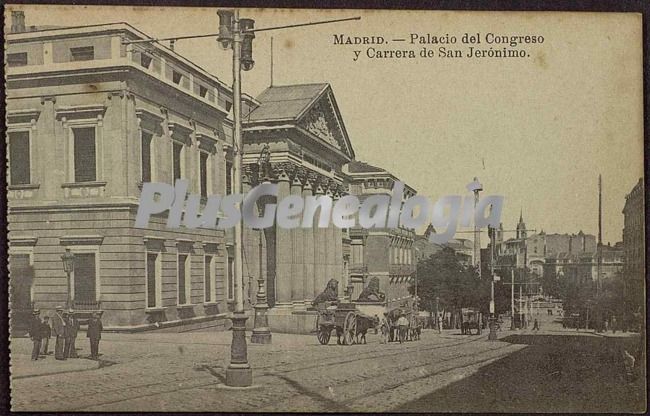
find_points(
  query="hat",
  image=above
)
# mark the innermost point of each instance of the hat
(70, 310)
(36, 311)
(59, 308)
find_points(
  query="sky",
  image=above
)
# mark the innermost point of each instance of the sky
(537, 130)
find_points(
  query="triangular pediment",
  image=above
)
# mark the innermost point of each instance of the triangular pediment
(323, 120)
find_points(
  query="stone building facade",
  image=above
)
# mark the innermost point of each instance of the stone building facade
(89, 120)
(385, 253)
(633, 233)
(296, 138)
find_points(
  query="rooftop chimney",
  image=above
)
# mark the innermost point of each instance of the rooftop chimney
(17, 21)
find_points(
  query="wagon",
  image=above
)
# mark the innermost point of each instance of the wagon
(471, 321)
(345, 318)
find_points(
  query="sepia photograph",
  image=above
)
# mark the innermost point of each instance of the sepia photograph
(218, 209)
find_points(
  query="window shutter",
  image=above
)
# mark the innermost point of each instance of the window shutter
(19, 158)
(85, 163)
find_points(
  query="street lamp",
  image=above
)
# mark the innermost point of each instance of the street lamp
(239, 372)
(261, 331)
(68, 267)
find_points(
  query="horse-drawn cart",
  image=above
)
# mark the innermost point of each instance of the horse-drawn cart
(471, 321)
(348, 321)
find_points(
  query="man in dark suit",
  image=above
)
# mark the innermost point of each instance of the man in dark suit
(94, 333)
(74, 329)
(35, 329)
(46, 334)
(58, 329)
(67, 335)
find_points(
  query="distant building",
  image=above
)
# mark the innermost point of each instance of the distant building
(634, 234)
(423, 247)
(463, 247)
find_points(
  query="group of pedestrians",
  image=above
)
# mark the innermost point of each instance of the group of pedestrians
(64, 328)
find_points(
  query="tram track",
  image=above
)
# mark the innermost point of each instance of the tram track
(370, 355)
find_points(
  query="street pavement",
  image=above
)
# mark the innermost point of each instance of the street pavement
(185, 372)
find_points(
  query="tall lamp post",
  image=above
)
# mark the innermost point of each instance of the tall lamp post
(68, 266)
(238, 34)
(233, 35)
(261, 332)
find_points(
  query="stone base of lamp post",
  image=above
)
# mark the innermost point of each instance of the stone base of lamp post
(261, 331)
(239, 372)
(492, 336)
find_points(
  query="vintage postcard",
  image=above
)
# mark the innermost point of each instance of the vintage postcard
(303, 210)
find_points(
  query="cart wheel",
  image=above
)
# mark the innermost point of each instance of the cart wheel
(323, 334)
(349, 328)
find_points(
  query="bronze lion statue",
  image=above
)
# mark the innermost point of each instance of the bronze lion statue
(371, 292)
(330, 294)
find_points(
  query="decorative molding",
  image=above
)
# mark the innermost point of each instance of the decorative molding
(81, 240)
(92, 111)
(48, 98)
(210, 246)
(143, 113)
(152, 239)
(27, 115)
(22, 241)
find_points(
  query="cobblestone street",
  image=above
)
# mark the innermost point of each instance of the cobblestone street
(185, 372)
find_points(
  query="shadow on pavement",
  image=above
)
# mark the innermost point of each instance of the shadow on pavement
(555, 373)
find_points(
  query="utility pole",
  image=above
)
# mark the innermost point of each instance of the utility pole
(512, 299)
(600, 234)
(477, 234)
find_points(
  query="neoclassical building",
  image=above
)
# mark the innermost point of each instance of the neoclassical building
(89, 119)
(296, 138)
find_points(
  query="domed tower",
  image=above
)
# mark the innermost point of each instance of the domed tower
(521, 226)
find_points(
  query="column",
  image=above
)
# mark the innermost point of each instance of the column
(297, 265)
(283, 251)
(320, 279)
(308, 254)
(330, 247)
(338, 256)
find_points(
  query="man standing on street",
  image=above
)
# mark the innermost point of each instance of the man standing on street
(46, 334)
(67, 335)
(74, 329)
(94, 333)
(58, 328)
(35, 333)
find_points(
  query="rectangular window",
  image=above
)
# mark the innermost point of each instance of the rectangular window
(84, 53)
(177, 161)
(19, 158)
(208, 273)
(177, 77)
(183, 293)
(153, 281)
(85, 279)
(231, 277)
(203, 173)
(146, 156)
(17, 59)
(228, 178)
(203, 91)
(85, 158)
(145, 60)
